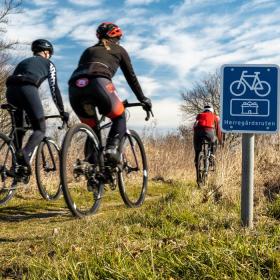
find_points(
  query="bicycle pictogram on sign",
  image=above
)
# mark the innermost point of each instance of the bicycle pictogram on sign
(260, 87)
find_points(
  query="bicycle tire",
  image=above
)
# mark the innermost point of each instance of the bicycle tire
(75, 195)
(47, 169)
(263, 85)
(202, 166)
(129, 184)
(7, 169)
(242, 91)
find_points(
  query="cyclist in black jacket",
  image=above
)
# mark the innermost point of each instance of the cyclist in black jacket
(22, 92)
(91, 85)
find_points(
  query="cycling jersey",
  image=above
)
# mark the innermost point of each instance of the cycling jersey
(206, 127)
(99, 62)
(33, 71)
(208, 121)
(205, 119)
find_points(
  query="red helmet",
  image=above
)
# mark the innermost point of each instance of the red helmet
(108, 30)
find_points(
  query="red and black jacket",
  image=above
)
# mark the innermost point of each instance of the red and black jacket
(208, 121)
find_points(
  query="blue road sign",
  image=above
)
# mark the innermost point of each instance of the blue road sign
(249, 98)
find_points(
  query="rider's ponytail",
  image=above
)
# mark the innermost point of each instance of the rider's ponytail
(105, 43)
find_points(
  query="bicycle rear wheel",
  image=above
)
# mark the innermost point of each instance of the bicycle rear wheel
(202, 167)
(8, 181)
(133, 177)
(82, 192)
(47, 169)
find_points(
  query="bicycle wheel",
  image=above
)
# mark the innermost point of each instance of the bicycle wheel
(237, 88)
(7, 169)
(202, 167)
(133, 175)
(82, 191)
(47, 169)
(262, 89)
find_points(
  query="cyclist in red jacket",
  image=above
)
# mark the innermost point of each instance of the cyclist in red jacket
(206, 127)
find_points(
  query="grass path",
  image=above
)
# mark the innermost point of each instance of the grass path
(172, 236)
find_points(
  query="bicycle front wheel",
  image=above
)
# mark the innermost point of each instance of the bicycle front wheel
(263, 89)
(8, 181)
(47, 169)
(133, 175)
(79, 161)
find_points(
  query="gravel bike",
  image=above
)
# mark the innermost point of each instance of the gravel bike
(205, 163)
(84, 171)
(47, 155)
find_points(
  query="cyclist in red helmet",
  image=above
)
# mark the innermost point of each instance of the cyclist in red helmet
(206, 127)
(91, 85)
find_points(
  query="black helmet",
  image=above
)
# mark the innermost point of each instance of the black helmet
(209, 108)
(108, 30)
(41, 45)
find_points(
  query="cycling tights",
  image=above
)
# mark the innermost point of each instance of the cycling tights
(85, 93)
(26, 98)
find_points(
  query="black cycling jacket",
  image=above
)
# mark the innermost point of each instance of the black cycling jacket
(34, 70)
(98, 61)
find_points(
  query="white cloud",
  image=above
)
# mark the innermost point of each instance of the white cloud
(140, 2)
(149, 85)
(44, 2)
(29, 25)
(87, 3)
(167, 114)
(84, 34)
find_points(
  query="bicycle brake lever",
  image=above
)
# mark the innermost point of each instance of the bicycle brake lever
(148, 116)
(149, 113)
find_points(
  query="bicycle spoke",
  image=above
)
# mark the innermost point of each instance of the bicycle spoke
(47, 173)
(82, 191)
(7, 170)
(133, 178)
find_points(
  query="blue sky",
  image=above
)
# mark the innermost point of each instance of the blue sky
(172, 43)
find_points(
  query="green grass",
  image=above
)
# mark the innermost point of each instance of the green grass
(274, 208)
(172, 236)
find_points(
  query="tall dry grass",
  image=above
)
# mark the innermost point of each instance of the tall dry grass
(172, 157)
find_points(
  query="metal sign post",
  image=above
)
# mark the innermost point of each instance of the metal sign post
(247, 186)
(249, 104)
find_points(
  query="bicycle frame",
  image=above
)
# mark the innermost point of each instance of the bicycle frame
(99, 128)
(13, 135)
(255, 81)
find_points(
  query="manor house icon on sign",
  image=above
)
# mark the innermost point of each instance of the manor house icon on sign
(249, 108)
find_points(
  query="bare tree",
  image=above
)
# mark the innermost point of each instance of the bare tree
(206, 91)
(203, 92)
(7, 8)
